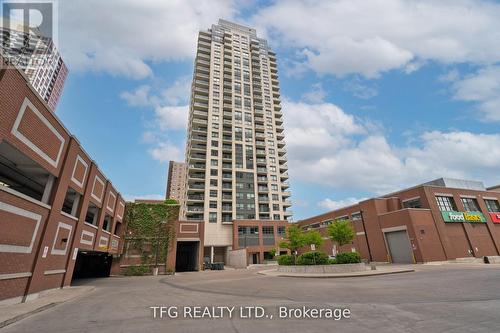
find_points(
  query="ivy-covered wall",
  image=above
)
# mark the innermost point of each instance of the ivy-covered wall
(149, 233)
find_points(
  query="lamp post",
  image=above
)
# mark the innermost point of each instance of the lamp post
(366, 235)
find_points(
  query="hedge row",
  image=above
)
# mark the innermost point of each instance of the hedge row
(319, 258)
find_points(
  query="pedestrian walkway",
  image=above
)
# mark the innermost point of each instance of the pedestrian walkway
(14, 312)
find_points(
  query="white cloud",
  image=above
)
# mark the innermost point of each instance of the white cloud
(121, 37)
(139, 97)
(316, 95)
(172, 117)
(343, 152)
(482, 87)
(133, 197)
(167, 151)
(168, 114)
(370, 37)
(360, 90)
(178, 92)
(331, 204)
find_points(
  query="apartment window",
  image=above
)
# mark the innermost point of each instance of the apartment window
(267, 230)
(281, 229)
(215, 109)
(248, 135)
(492, 205)
(215, 143)
(70, 205)
(274, 178)
(92, 214)
(215, 153)
(470, 204)
(246, 89)
(215, 126)
(213, 193)
(412, 203)
(238, 135)
(272, 151)
(213, 204)
(238, 115)
(107, 223)
(212, 217)
(214, 162)
(274, 187)
(118, 228)
(272, 168)
(237, 88)
(213, 172)
(276, 207)
(237, 101)
(215, 118)
(354, 217)
(446, 204)
(275, 197)
(215, 134)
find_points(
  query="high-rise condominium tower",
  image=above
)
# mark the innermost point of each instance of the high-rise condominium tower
(237, 164)
(37, 57)
(176, 181)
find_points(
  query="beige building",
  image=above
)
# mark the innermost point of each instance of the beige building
(176, 181)
(236, 155)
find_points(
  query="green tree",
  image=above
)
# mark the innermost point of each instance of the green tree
(341, 232)
(313, 237)
(294, 240)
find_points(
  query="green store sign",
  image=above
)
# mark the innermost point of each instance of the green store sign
(459, 217)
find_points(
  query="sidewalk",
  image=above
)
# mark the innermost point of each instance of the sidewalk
(11, 313)
(378, 271)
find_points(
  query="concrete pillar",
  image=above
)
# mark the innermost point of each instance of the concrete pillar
(211, 254)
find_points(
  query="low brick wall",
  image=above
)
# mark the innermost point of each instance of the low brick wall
(340, 268)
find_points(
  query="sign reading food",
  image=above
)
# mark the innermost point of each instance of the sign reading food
(460, 217)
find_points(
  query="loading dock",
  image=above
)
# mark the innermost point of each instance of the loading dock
(187, 256)
(91, 264)
(398, 245)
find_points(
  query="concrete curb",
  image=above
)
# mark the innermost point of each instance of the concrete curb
(275, 273)
(21, 311)
(27, 314)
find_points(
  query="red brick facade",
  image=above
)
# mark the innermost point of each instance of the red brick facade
(38, 240)
(430, 237)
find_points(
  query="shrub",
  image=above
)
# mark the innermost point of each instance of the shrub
(332, 261)
(313, 258)
(348, 258)
(286, 260)
(136, 270)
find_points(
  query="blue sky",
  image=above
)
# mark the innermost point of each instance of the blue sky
(372, 103)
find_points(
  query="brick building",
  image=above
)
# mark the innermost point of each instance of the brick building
(441, 220)
(252, 243)
(58, 212)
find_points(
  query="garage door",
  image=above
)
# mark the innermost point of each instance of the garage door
(399, 247)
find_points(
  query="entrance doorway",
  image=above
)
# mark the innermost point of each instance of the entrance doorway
(399, 247)
(187, 256)
(90, 264)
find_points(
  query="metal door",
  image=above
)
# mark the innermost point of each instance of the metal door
(399, 247)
